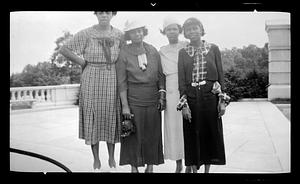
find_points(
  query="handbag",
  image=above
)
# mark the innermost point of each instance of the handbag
(127, 127)
(224, 100)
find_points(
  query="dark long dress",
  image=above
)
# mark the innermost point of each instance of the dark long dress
(203, 137)
(145, 146)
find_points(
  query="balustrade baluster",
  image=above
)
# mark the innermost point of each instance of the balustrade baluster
(37, 96)
(18, 95)
(30, 94)
(13, 95)
(49, 95)
(43, 95)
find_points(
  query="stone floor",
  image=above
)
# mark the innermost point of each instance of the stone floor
(256, 135)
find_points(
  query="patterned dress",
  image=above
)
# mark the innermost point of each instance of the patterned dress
(173, 130)
(99, 102)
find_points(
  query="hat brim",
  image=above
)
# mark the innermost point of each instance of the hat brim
(132, 28)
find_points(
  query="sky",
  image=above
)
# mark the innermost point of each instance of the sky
(33, 34)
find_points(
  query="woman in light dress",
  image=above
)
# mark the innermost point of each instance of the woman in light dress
(173, 130)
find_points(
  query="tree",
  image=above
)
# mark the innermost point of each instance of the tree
(227, 56)
(54, 72)
(247, 73)
(61, 65)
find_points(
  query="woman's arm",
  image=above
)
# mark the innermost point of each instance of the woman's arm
(122, 83)
(71, 56)
(161, 75)
(77, 44)
(161, 85)
(181, 75)
(219, 67)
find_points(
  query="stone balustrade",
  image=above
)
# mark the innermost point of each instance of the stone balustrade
(41, 96)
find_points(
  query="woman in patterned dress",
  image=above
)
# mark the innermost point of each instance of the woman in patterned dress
(173, 130)
(199, 69)
(141, 84)
(96, 49)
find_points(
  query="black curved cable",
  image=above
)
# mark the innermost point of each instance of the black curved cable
(40, 157)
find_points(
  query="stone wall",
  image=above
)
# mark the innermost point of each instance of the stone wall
(279, 59)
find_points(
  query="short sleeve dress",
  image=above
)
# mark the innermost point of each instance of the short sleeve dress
(99, 102)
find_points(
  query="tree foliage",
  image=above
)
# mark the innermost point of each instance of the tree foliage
(57, 71)
(245, 70)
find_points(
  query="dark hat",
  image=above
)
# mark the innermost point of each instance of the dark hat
(193, 21)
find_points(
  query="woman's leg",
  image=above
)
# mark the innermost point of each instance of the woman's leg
(95, 150)
(178, 166)
(194, 168)
(206, 168)
(134, 169)
(149, 169)
(111, 154)
(188, 169)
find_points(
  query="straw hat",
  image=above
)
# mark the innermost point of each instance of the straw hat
(133, 24)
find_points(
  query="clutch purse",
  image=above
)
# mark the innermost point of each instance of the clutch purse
(127, 127)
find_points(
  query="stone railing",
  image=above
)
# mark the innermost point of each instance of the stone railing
(41, 96)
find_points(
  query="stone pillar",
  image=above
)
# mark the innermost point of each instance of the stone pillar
(279, 59)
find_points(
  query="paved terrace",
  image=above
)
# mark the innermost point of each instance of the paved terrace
(256, 134)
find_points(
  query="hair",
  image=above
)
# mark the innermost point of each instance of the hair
(193, 21)
(127, 37)
(164, 30)
(113, 13)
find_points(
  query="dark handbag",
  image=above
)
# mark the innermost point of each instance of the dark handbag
(127, 127)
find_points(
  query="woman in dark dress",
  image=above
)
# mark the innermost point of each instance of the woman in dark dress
(199, 71)
(141, 85)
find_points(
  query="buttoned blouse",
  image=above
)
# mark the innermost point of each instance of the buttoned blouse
(214, 68)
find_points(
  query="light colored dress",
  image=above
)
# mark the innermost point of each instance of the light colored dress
(173, 128)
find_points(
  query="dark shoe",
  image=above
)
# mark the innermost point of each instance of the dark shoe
(178, 169)
(188, 169)
(149, 169)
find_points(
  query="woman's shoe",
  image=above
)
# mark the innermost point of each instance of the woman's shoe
(149, 169)
(112, 163)
(194, 168)
(178, 169)
(134, 170)
(188, 169)
(97, 170)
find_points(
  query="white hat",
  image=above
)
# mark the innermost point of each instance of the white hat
(130, 25)
(168, 21)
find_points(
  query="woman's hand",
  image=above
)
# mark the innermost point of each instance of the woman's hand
(161, 101)
(186, 113)
(221, 108)
(83, 65)
(126, 113)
